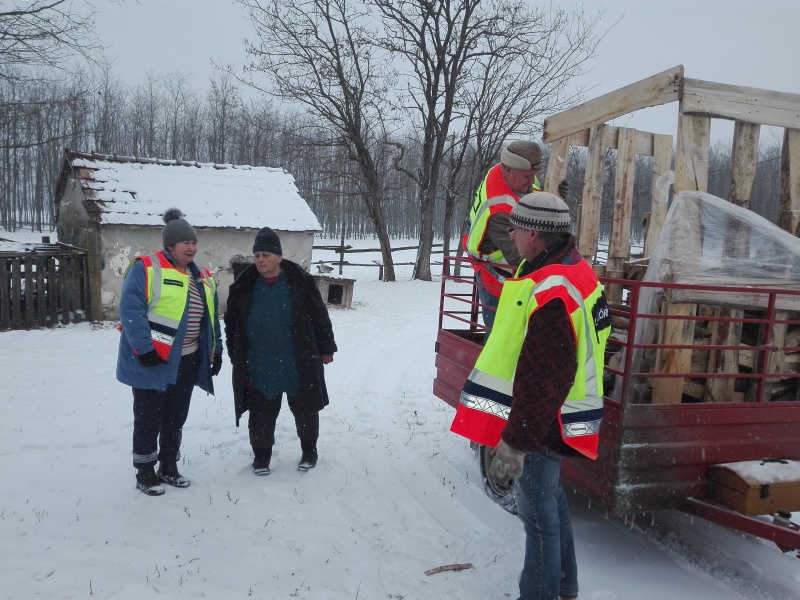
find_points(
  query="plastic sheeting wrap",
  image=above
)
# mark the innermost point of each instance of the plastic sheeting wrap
(709, 241)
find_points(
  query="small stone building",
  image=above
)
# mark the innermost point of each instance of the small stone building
(112, 206)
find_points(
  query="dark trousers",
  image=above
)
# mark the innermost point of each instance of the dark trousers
(158, 417)
(264, 415)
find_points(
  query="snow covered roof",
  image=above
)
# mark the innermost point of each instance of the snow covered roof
(137, 191)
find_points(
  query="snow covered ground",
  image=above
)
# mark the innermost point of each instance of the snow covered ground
(393, 496)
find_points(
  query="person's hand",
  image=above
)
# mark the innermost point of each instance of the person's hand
(216, 365)
(506, 463)
(327, 359)
(150, 359)
(563, 189)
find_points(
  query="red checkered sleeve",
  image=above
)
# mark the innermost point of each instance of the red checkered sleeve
(545, 373)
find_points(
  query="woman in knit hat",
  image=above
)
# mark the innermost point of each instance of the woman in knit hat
(279, 336)
(170, 343)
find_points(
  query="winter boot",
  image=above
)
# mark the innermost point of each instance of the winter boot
(148, 483)
(310, 457)
(168, 473)
(261, 461)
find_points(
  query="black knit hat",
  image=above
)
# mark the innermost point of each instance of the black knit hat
(267, 241)
(177, 229)
(541, 211)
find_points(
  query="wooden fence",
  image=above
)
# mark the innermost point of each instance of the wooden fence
(341, 250)
(42, 285)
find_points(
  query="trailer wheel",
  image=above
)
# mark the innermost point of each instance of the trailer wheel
(506, 497)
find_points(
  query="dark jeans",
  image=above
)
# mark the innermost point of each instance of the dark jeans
(489, 301)
(158, 417)
(264, 415)
(550, 567)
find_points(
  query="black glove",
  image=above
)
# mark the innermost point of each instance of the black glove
(216, 365)
(563, 189)
(150, 359)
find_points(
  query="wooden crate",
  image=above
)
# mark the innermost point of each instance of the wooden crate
(756, 487)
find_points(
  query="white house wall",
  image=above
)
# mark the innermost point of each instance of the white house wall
(73, 219)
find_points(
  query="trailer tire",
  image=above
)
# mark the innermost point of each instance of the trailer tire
(505, 497)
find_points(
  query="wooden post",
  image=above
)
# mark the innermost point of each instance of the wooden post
(16, 292)
(95, 272)
(591, 202)
(662, 178)
(744, 158)
(41, 295)
(691, 161)
(52, 292)
(341, 253)
(29, 292)
(63, 280)
(556, 165)
(691, 173)
(790, 182)
(620, 239)
(5, 302)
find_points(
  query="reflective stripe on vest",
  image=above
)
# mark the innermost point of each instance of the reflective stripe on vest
(167, 290)
(492, 197)
(486, 397)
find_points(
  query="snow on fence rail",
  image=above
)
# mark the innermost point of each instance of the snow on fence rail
(342, 249)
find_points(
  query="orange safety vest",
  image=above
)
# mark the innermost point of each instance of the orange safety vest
(492, 197)
(487, 394)
(167, 290)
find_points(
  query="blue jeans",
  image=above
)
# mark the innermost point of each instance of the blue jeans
(550, 567)
(489, 300)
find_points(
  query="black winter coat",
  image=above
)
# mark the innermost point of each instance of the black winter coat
(311, 327)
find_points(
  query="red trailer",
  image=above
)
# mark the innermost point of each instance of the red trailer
(656, 455)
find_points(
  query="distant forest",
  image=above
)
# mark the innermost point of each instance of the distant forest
(386, 112)
(166, 118)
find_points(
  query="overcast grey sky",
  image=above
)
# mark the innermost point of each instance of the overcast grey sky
(752, 43)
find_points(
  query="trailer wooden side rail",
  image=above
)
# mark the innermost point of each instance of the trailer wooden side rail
(657, 455)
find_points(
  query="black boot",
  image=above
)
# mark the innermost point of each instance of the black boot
(261, 461)
(168, 473)
(148, 483)
(310, 457)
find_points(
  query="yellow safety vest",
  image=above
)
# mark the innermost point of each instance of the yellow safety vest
(492, 197)
(167, 291)
(487, 394)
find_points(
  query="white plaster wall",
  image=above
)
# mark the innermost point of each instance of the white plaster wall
(216, 249)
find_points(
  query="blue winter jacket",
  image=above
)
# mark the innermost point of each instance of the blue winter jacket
(135, 336)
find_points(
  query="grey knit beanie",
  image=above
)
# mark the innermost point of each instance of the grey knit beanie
(522, 155)
(267, 241)
(541, 211)
(177, 229)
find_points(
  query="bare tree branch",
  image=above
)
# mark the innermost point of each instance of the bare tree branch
(320, 54)
(44, 33)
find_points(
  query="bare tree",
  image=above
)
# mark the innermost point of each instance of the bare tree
(320, 54)
(147, 119)
(224, 100)
(108, 101)
(442, 43)
(41, 33)
(546, 50)
(178, 98)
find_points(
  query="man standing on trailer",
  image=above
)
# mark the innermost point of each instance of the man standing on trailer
(487, 240)
(536, 392)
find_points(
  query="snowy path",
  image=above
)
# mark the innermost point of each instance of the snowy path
(394, 493)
